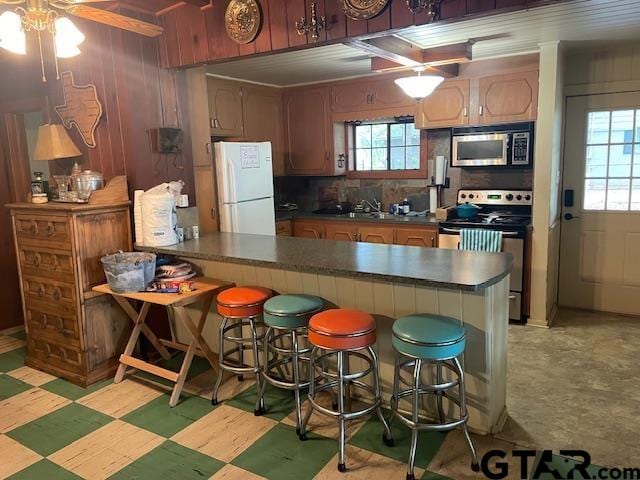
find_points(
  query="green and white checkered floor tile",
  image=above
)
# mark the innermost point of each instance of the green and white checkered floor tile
(51, 429)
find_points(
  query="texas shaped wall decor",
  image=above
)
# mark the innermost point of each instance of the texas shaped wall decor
(81, 108)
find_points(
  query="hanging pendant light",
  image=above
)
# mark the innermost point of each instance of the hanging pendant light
(419, 86)
(12, 37)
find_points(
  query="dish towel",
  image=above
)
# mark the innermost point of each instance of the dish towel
(480, 240)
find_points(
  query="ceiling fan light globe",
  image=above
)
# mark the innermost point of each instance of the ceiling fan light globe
(12, 37)
(67, 38)
(420, 86)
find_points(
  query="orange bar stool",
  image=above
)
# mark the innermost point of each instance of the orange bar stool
(240, 308)
(343, 333)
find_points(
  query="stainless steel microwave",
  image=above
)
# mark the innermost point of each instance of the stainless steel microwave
(502, 146)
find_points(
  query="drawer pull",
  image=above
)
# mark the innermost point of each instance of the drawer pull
(37, 259)
(41, 290)
(57, 294)
(54, 262)
(34, 228)
(51, 230)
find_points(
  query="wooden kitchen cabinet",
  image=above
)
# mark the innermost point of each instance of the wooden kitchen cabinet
(511, 97)
(72, 332)
(355, 100)
(308, 132)
(284, 228)
(344, 231)
(447, 107)
(225, 108)
(262, 115)
(309, 229)
(417, 237)
(378, 234)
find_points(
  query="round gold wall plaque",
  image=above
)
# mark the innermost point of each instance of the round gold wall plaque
(362, 9)
(242, 20)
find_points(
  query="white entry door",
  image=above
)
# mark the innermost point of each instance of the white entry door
(600, 243)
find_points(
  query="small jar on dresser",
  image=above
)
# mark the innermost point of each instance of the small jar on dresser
(72, 332)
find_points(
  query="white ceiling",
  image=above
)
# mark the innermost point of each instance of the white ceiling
(505, 34)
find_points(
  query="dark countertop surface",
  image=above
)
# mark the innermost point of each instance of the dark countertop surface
(433, 267)
(360, 217)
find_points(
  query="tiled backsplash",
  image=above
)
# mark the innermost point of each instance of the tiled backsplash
(311, 193)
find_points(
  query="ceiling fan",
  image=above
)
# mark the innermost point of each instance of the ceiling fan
(49, 17)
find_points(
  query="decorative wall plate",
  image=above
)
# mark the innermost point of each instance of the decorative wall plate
(362, 9)
(242, 20)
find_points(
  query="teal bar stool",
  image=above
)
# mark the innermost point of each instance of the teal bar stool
(420, 340)
(286, 347)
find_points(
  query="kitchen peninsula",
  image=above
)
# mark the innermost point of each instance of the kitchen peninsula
(388, 281)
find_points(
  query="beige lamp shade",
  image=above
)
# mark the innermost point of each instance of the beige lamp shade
(54, 143)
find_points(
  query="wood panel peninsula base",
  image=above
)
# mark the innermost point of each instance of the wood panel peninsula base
(388, 281)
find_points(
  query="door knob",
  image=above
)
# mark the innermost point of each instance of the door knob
(569, 216)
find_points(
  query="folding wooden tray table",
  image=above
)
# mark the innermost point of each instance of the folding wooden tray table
(205, 291)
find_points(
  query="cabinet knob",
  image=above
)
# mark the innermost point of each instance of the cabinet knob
(465, 112)
(433, 241)
(57, 294)
(50, 229)
(34, 228)
(41, 290)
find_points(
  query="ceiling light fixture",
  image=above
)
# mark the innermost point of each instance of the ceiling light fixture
(419, 86)
(66, 36)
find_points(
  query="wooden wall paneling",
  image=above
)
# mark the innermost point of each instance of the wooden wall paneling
(192, 35)
(478, 6)
(169, 44)
(401, 16)
(448, 9)
(382, 21)
(510, 3)
(356, 27)
(336, 20)
(220, 45)
(278, 24)
(263, 40)
(296, 9)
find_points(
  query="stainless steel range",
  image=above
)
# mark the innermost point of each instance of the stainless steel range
(505, 210)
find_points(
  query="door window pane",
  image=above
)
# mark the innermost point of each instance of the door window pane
(596, 161)
(619, 161)
(612, 161)
(635, 195)
(618, 194)
(595, 191)
(598, 127)
(622, 126)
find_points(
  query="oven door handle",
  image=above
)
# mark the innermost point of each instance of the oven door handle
(458, 230)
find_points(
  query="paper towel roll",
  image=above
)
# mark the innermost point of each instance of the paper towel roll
(433, 199)
(137, 215)
(441, 170)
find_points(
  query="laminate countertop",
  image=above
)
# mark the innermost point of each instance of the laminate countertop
(432, 267)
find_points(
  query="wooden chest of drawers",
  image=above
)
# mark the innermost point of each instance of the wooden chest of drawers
(71, 331)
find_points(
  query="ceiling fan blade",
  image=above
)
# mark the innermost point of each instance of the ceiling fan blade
(115, 20)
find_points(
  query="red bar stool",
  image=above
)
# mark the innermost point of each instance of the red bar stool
(343, 333)
(240, 307)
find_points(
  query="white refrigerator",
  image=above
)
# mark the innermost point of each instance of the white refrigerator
(245, 187)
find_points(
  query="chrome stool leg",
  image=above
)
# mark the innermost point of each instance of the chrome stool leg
(259, 408)
(296, 378)
(341, 404)
(415, 408)
(216, 387)
(312, 394)
(240, 349)
(464, 414)
(439, 393)
(387, 436)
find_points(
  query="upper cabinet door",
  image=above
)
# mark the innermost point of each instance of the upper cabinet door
(448, 106)
(351, 97)
(388, 95)
(308, 136)
(263, 119)
(512, 97)
(225, 108)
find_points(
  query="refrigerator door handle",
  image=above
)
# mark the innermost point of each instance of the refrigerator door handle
(231, 181)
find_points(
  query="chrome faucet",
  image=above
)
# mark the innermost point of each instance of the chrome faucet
(376, 206)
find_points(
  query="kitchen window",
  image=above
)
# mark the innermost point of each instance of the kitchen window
(385, 149)
(612, 161)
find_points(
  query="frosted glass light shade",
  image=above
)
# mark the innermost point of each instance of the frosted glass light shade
(12, 38)
(68, 37)
(54, 143)
(420, 86)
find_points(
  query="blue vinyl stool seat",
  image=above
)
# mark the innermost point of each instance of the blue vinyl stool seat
(286, 347)
(290, 311)
(436, 341)
(429, 337)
